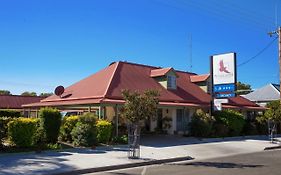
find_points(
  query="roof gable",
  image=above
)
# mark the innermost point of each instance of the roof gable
(265, 93)
(162, 72)
(276, 86)
(94, 86)
(199, 78)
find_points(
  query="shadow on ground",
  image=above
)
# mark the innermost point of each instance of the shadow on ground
(47, 162)
(24, 165)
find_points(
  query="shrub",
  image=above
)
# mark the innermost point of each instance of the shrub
(232, 119)
(84, 132)
(83, 135)
(50, 121)
(250, 128)
(21, 131)
(104, 129)
(121, 139)
(10, 113)
(262, 125)
(201, 124)
(4, 128)
(89, 118)
(67, 126)
(39, 139)
(219, 129)
(54, 146)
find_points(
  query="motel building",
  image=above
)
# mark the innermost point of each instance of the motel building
(181, 94)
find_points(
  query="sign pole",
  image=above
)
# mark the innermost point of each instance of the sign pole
(212, 86)
(279, 55)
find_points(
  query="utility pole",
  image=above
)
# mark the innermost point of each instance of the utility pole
(279, 54)
(278, 32)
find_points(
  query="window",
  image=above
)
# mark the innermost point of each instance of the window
(171, 82)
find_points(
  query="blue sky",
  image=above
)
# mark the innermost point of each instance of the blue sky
(49, 43)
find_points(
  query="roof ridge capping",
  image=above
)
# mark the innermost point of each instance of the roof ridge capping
(153, 67)
(112, 76)
(22, 96)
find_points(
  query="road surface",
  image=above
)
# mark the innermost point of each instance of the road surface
(260, 163)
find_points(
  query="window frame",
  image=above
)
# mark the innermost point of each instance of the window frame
(171, 82)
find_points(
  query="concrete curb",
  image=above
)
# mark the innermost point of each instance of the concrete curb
(272, 147)
(123, 166)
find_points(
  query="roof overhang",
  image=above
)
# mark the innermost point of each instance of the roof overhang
(259, 108)
(120, 101)
(62, 103)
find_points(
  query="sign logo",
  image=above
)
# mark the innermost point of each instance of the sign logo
(223, 68)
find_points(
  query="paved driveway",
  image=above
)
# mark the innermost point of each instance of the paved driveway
(153, 147)
(174, 146)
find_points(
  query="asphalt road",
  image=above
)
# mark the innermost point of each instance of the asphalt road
(260, 163)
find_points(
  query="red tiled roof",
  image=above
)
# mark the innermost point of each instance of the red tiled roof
(160, 72)
(94, 86)
(64, 103)
(199, 78)
(107, 85)
(136, 77)
(241, 102)
(16, 101)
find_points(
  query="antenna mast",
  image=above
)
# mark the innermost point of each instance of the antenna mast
(276, 14)
(190, 53)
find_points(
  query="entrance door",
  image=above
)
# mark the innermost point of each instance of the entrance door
(160, 119)
(182, 120)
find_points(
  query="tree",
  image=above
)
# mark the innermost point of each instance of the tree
(26, 93)
(274, 112)
(5, 92)
(45, 94)
(243, 88)
(139, 107)
(272, 115)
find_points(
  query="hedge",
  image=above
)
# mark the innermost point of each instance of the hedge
(84, 132)
(104, 130)
(233, 120)
(10, 113)
(21, 131)
(4, 128)
(201, 124)
(67, 126)
(50, 121)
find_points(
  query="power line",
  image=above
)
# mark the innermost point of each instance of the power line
(226, 13)
(260, 52)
